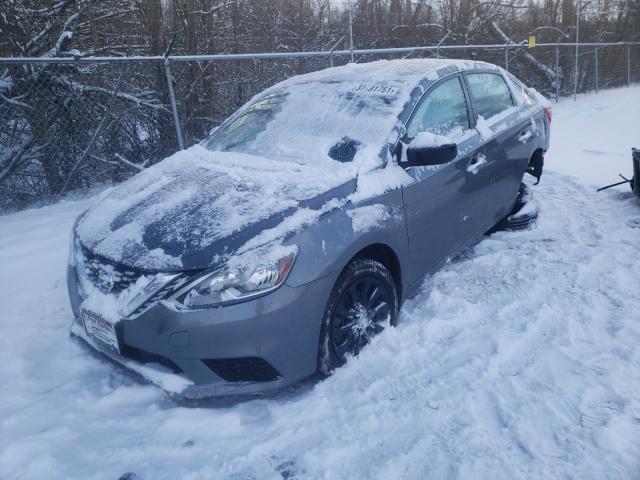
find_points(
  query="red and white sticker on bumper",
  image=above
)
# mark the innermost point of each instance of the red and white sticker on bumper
(101, 330)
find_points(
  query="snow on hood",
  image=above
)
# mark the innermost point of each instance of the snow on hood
(199, 203)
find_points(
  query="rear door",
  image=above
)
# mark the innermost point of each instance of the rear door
(437, 204)
(506, 133)
(535, 133)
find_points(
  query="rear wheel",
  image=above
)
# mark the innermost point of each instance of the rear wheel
(363, 302)
(523, 215)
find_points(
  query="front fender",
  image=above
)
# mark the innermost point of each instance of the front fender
(328, 245)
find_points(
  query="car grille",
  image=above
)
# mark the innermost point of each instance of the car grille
(107, 276)
(246, 369)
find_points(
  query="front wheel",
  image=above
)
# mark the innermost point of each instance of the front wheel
(364, 300)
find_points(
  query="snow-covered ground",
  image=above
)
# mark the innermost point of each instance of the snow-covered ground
(592, 138)
(519, 359)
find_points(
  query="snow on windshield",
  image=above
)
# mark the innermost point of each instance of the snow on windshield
(318, 121)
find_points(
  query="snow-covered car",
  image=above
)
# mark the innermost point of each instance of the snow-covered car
(281, 244)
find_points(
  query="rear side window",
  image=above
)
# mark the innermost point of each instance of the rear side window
(442, 112)
(489, 93)
(519, 90)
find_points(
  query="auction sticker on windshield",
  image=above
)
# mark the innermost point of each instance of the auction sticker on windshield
(101, 330)
(362, 88)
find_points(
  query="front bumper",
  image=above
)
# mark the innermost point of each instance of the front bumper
(219, 351)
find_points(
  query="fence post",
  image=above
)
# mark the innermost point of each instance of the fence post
(628, 64)
(595, 64)
(506, 58)
(174, 107)
(351, 31)
(557, 82)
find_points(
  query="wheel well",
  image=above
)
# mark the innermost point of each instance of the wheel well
(386, 256)
(536, 164)
(537, 152)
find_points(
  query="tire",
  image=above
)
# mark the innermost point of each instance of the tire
(523, 215)
(363, 300)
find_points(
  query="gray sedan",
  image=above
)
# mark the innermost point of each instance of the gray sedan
(280, 245)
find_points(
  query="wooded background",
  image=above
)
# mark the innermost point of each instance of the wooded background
(69, 127)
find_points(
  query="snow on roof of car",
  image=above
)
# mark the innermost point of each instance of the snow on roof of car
(404, 69)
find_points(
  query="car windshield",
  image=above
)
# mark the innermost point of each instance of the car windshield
(317, 123)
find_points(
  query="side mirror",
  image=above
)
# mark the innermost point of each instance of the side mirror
(422, 155)
(427, 149)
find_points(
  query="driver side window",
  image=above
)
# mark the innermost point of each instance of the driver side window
(442, 112)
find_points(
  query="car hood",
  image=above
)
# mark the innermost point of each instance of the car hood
(198, 207)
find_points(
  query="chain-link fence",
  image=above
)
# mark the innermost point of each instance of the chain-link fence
(69, 124)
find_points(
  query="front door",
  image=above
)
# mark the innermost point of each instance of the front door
(438, 203)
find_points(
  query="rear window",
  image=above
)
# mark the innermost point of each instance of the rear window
(489, 93)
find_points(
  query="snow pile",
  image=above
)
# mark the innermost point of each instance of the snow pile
(519, 359)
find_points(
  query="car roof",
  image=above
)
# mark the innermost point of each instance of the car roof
(409, 70)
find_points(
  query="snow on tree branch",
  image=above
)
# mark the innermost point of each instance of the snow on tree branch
(81, 88)
(548, 71)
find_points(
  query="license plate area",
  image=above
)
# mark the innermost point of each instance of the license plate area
(102, 331)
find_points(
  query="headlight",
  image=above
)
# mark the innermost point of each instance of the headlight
(76, 260)
(237, 281)
(73, 241)
(72, 248)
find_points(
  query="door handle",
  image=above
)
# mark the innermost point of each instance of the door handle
(525, 136)
(477, 162)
